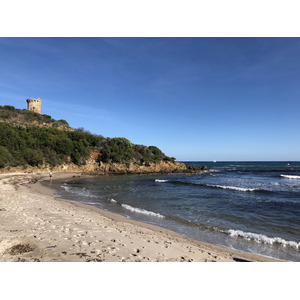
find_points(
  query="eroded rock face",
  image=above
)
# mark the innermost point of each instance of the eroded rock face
(162, 167)
(95, 168)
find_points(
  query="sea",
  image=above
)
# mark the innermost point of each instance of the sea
(251, 207)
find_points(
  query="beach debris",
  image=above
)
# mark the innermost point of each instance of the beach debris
(19, 249)
(51, 246)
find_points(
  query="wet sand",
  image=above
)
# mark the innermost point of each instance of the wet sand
(34, 227)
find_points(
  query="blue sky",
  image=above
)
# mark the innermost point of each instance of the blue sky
(194, 98)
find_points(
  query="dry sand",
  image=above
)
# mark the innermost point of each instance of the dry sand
(34, 226)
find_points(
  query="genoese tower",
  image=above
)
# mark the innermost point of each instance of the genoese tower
(34, 105)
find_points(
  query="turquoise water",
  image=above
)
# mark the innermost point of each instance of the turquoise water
(248, 206)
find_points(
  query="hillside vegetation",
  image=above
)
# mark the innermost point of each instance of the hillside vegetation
(28, 138)
(12, 115)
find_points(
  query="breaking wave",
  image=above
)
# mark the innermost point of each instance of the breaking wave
(79, 191)
(161, 180)
(234, 188)
(142, 211)
(291, 177)
(263, 239)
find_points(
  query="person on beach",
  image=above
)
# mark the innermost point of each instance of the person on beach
(50, 175)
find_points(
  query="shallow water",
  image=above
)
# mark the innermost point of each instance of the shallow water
(248, 206)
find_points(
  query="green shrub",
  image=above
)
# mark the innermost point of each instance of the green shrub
(5, 157)
(157, 154)
(9, 107)
(75, 156)
(117, 150)
(64, 145)
(63, 122)
(32, 157)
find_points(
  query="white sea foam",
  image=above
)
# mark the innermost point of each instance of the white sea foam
(291, 177)
(161, 180)
(79, 191)
(214, 175)
(235, 188)
(142, 211)
(66, 188)
(261, 238)
(113, 200)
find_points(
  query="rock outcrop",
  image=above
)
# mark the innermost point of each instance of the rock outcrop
(92, 167)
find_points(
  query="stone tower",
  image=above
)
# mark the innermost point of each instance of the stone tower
(34, 105)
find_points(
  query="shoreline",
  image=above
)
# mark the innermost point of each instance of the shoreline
(35, 226)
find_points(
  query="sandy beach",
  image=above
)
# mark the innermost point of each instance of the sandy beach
(35, 226)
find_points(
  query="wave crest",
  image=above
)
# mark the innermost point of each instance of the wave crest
(79, 191)
(234, 188)
(142, 211)
(261, 238)
(161, 180)
(291, 177)
(226, 187)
